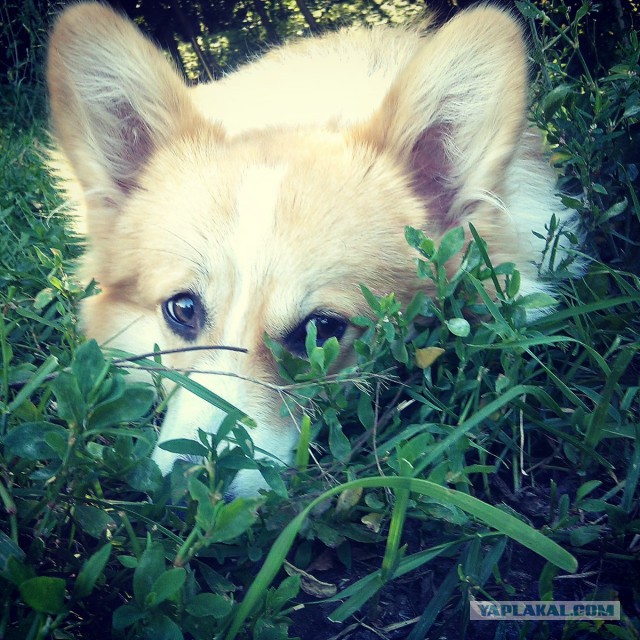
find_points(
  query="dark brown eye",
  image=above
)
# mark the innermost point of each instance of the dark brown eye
(184, 314)
(328, 326)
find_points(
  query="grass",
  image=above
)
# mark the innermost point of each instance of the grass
(459, 461)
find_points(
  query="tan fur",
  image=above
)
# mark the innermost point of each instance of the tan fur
(275, 192)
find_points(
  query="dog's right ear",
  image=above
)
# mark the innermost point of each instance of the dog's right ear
(114, 98)
(454, 116)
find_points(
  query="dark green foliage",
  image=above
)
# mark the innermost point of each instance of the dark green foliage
(471, 453)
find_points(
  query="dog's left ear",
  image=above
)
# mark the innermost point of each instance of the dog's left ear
(115, 99)
(455, 114)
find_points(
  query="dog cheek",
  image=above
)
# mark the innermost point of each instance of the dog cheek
(119, 323)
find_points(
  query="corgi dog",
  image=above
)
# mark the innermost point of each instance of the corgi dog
(255, 204)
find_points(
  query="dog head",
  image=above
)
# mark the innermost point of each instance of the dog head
(197, 236)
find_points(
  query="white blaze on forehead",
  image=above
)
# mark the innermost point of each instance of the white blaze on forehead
(256, 202)
(256, 207)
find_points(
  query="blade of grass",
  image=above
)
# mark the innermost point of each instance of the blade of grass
(351, 595)
(47, 367)
(461, 430)
(485, 256)
(525, 343)
(598, 417)
(633, 475)
(585, 309)
(429, 615)
(493, 517)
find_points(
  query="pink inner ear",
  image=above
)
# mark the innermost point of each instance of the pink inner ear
(432, 173)
(131, 147)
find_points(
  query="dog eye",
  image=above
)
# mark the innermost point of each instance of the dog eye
(327, 326)
(184, 314)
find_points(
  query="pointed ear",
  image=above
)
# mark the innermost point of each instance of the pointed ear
(114, 98)
(455, 114)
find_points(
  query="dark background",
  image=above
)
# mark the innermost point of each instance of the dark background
(219, 34)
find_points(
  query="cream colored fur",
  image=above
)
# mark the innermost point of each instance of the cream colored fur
(276, 191)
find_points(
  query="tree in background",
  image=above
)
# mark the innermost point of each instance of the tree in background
(206, 38)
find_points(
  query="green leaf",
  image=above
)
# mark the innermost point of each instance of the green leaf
(28, 440)
(71, 405)
(316, 359)
(331, 350)
(166, 585)
(161, 627)
(243, 440)
(268, 628)
(527, 10)
(585, 489)
(311, 339)
(184, 447)
(598, 188)
(92, 520)
(366, 414)
(272, 473)
(15, 571)
(235, 458)
(234, 519)
(545, 582)
(89, 367)
(58, 441)
(514, 284)
(286, 591)
(458, 327)
(338, 443)
(450, 245)
(207, 506)
(126, 615)
(553, 100)
(12, 567)
(585, 535)
(145, 476)
(134, 403)
(439, 601)
(150, 567)
(44, 594)
(416, 239)
(399, 350)
(9, 549)
(415, 307)
(613, 211)
(209, 604)
(538, 300)
(355, 602)
(130, 562)
(372, 300)
(302, 452)
(583, 10)
(91, 571)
